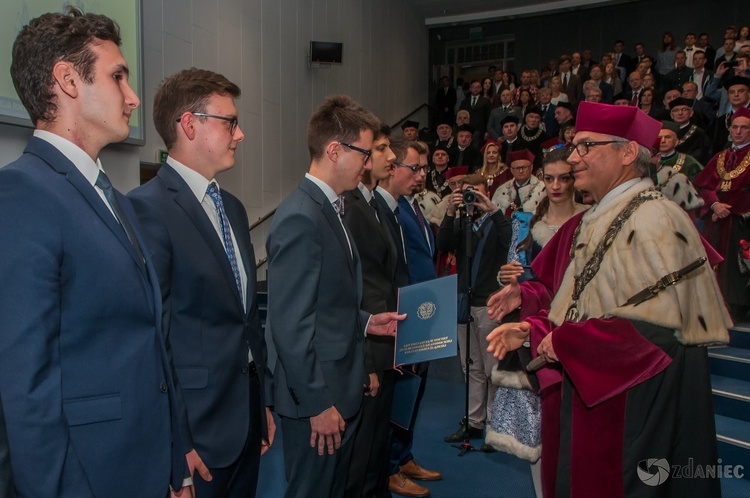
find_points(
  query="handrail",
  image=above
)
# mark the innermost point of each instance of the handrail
(428, 106)
(261, 263)
(262, 219)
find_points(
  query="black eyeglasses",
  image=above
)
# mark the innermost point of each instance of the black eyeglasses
(362, 151)
(415, 168)
(233, 121)
(583, 147)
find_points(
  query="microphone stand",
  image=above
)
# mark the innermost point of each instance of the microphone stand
(466, 225)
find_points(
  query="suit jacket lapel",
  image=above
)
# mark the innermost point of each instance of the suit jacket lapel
(333, 219)
(185, 198)
(62, 165)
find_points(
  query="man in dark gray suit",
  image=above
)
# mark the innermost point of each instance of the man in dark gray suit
(314, 296)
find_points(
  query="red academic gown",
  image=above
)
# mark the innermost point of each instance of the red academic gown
(725, 234)
(614, 398)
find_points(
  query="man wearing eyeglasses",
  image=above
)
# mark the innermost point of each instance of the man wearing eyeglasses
(691, 138)
(621, 364)
(524, 192)
(198, 236)
(314, 298)
(366, 221)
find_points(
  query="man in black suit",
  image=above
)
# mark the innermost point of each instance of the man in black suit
(596, 72)
(571, 84)
(445, 100)
(710, 51)
(692, 139)
(445, 137)
(314, 298)
(622, 60)
(200, 245)
(640, 54)
(703, 78)
(479, 110)
(506, 108)
(704, 112)
(365, 219)
(510, 141)
(680, 74)
(577, 67)
(466, 154)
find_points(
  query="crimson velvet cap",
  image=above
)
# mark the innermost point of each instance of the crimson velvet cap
(627, 122)
(456, 171)
(489, 142)
(520, 155)
(742, 112)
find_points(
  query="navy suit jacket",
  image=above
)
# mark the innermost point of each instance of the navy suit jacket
(85, 378)
(314, 296)
(550, 123)
(209, 330)
(419, 253)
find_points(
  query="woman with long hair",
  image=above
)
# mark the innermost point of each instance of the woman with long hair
(487, 88)
(567, 132)
(509, 80)
(525, 101)
(515, 425)
(612, 76)
(494, 171)
(648, 103)
(742, 38)
(665, 56)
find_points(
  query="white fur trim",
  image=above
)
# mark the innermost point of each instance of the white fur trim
(509, 444)
(514, 379)
(657, 239)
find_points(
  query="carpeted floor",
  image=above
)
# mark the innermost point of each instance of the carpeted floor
(475, 475)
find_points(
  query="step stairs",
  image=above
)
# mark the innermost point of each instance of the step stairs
(730, 382)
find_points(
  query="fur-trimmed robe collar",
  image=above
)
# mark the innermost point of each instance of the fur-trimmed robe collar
(657, 239)
(531, 194)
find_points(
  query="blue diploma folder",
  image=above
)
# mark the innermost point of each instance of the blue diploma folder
(429, 330)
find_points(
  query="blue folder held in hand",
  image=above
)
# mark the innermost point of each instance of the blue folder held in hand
(429, 330)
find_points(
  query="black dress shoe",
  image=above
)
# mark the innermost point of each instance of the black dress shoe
(462, 434)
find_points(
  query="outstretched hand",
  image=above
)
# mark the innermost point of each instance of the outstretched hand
(507, 337)
(505, 300)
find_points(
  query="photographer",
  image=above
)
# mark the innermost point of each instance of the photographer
(490, 238)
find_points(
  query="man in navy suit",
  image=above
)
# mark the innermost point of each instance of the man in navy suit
(199, 239)
(86, 383)
(314, 296)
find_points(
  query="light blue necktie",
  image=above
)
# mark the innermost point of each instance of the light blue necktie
(226, 234)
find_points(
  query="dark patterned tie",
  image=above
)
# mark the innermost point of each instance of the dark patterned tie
(338, 205)
(420, 216)
(226, 234)
(102, 181)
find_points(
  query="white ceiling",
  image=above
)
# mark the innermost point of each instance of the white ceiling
(449, 12)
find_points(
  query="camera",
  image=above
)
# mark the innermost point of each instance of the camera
(729, 64)
(469, 197)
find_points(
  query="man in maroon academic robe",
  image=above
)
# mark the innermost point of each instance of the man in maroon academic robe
(621, 377)
(724, 185)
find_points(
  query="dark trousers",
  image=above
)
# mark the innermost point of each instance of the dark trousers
(309, 474)
(402, 440)
(240, 479)
(368, 471)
